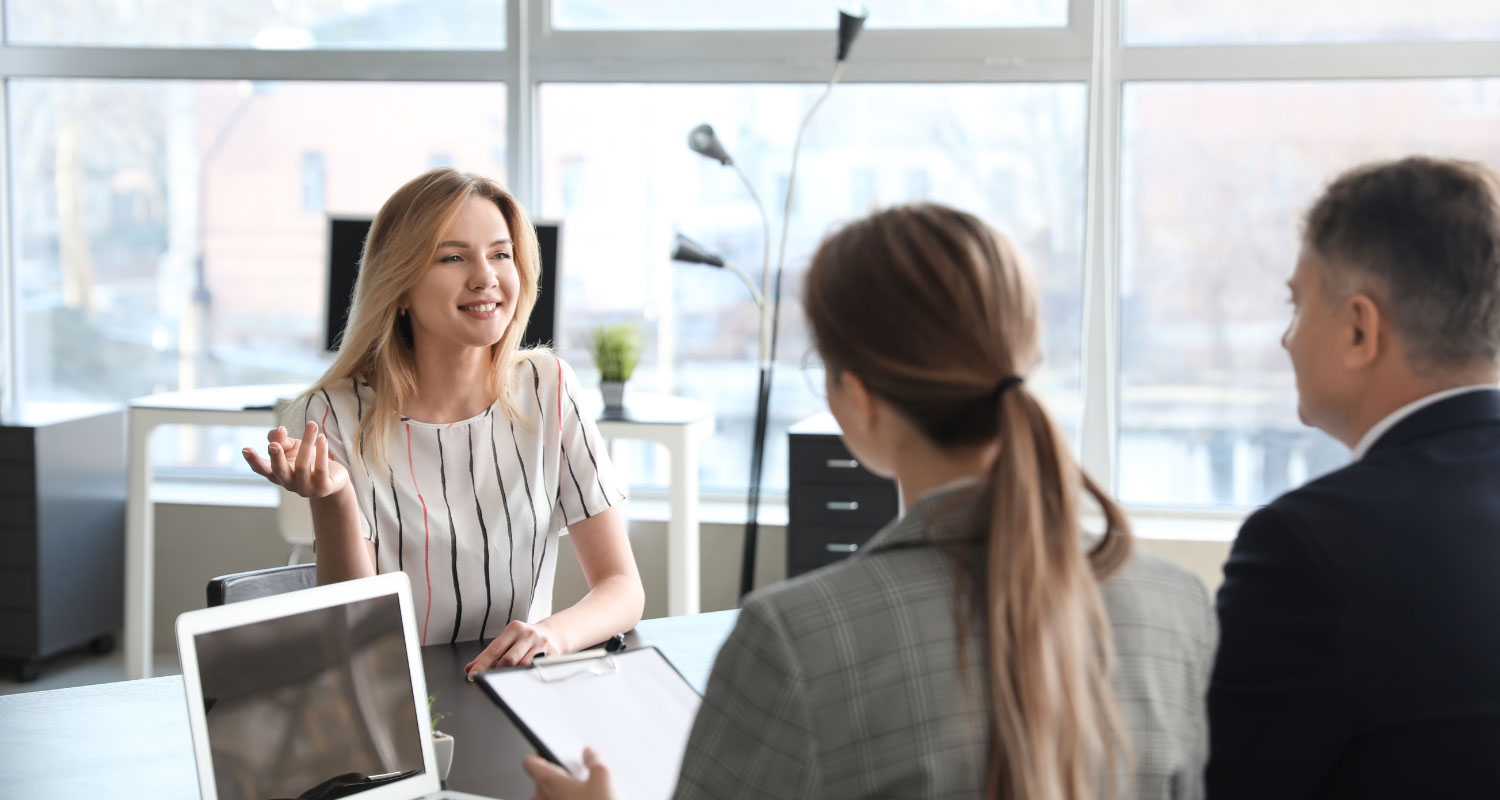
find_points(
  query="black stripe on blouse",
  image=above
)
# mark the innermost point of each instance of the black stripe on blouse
(510, 534)
(530, 505)
(484, 532)
(583, 431)
(458, 599)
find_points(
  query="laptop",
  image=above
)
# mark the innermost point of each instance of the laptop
(310, 695)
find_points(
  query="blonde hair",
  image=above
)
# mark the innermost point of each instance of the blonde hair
(377, 345)
(936, 314)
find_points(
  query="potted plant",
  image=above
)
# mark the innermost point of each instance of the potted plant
(442, 743)
(615, 349)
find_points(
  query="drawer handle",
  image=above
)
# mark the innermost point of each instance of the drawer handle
(841, 548)
(838, 506)
(842, 463)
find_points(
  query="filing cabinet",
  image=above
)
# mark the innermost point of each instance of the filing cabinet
(834, 504)
(62, 533)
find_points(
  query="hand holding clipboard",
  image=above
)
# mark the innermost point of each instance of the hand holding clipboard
(633, 709)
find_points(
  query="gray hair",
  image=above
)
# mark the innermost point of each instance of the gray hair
(1427, 231)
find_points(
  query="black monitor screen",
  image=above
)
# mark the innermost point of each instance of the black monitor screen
(346, 242)
(316, 704)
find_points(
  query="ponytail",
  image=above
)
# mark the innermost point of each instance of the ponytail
(1056, 732)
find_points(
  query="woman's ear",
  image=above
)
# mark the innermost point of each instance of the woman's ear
(860, 403)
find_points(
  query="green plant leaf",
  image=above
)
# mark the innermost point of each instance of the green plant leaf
(616, 349)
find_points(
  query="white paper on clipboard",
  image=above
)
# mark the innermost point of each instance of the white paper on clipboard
(634, 708)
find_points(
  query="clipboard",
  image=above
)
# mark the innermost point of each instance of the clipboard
(634, 708)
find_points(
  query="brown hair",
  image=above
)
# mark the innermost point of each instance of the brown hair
(934, 311)
(1427, 231)
(377, 345)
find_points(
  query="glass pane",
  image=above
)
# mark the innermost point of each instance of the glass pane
(261, 24)
(1167, 22)
(1012, 154)
(1216, 178)
(172, 234)
(798, 14)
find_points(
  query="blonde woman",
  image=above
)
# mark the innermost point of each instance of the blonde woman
(978, 646)
(435, 447)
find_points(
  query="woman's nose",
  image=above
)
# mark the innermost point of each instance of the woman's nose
(484, 278)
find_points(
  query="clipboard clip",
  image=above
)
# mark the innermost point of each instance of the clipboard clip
(555, 669)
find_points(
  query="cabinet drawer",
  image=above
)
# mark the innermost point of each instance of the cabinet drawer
(825, 459)
(17, 479)
(18, 631)
(17, 549)
(17, 444)
(819, 546)
(18, 516)
(17, 589)
(795, 568)
(842, 506)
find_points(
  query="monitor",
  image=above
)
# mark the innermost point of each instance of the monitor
(346, 242)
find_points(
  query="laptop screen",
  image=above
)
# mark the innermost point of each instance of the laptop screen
(317, 704)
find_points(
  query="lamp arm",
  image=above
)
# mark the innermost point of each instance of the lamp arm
(765, 274)
(791, 192)
(760, 300)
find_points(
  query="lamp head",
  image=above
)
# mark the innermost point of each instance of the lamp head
(850, 24)
(704, 142)
(690, 252)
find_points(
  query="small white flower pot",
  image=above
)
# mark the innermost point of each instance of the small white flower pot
(614, 394)
(442, 750)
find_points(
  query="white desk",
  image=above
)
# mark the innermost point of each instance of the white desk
(678, 424)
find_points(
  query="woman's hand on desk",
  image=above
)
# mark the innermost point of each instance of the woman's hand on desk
(553, 783)
(517, 644)
(300, 466)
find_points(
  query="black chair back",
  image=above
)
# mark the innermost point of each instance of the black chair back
(261, 583)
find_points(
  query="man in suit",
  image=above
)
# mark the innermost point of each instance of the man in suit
(1360, 614)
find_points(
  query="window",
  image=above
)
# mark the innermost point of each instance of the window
(624, 196)
(176, 224)
(157, 224)
(1155, 22)
(794, 14)
(260, 24)
(1216, 177)
(313, 180)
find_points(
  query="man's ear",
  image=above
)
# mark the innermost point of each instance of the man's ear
(1363, 332)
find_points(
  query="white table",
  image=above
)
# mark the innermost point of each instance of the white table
(680, 425)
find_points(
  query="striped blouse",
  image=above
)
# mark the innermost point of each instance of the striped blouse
(471, 510)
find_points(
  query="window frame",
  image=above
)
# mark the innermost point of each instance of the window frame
(1090, 49)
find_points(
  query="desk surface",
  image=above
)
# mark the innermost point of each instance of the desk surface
(131, 739)
(221, 398)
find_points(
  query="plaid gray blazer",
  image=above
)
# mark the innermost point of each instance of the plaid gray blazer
(846, 682)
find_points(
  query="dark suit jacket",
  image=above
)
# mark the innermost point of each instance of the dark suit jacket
(1360, 616)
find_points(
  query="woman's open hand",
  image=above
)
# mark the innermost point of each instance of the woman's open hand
(300, 465)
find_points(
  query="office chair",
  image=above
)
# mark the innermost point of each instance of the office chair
(261, 583)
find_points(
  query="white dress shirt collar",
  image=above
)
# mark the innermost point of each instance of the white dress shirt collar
(1384, 426)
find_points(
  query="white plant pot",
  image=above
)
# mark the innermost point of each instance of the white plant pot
(442, 750)
(614, 394)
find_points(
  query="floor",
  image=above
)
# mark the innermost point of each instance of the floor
(82, 668)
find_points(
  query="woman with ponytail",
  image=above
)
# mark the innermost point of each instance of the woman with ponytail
(981, 645)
